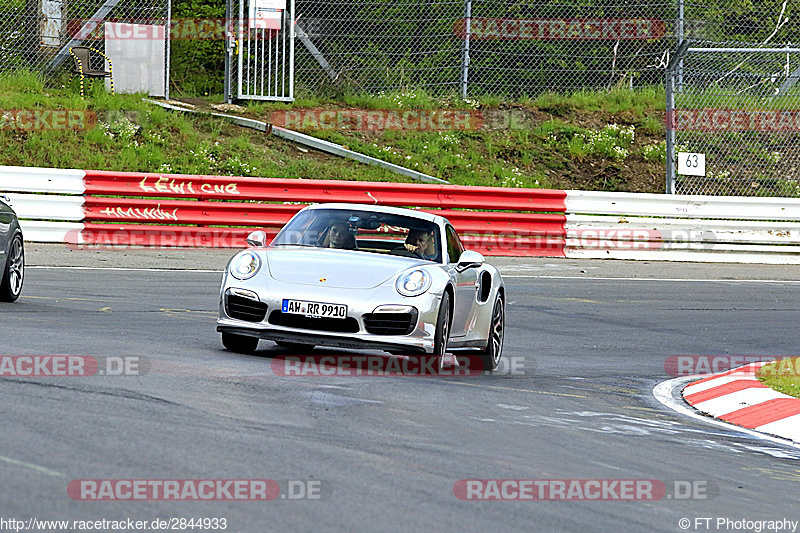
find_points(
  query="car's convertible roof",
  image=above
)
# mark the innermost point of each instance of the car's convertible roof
(422, 215)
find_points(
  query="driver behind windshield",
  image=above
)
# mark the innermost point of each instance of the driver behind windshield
(422, 243)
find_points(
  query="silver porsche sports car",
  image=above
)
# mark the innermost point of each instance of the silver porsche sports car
(363, 277)
(12, 253)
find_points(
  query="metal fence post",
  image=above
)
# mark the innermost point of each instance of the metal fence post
(672, 66)
(228, 48)
(670, 127)
(465, 52)
(680, 41)
(292, 24)
(169, 49)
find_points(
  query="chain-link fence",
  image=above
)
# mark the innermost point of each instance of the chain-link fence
(504, 48)
(469, 47)
(378, 45)
(532, 48)
(734, 121)
(36, 34)
(477, 47)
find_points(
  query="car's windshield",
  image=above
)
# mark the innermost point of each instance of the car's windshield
(365, 231)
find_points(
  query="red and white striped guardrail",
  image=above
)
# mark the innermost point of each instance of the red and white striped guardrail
(130, 208)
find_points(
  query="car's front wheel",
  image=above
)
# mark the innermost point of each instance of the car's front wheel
(494, 344)
(239, 343)
(14, 273)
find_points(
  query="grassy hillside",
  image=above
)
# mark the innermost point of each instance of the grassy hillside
(132, 135)
(588, 140)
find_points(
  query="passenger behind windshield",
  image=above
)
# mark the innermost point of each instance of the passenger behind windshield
(338, 236)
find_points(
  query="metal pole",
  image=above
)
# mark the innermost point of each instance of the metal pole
(465, 53)
(680, 40)
(670, 73)
(228, 48)
(169, 48)
(670, 148)
(292, 19)
(264, 44)
(239, 32)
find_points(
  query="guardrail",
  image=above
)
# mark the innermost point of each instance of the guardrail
(129, 208)
(682, 228)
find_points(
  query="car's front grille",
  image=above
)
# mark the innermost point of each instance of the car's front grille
(390, 323)
(244, 308)
(290, 320)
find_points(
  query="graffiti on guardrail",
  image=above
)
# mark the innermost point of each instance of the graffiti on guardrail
(167, 185)
(148, 213)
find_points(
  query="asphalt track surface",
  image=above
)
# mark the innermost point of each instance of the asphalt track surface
(590, 338)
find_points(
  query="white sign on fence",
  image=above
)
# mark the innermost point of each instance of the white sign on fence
(266, 14)
(691, 164)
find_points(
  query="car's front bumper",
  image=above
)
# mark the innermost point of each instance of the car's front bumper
(350, 341)
(359, 303)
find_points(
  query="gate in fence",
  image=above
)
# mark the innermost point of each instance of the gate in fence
(733, 121)
(259, 46)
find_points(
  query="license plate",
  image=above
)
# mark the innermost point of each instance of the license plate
(301, 307)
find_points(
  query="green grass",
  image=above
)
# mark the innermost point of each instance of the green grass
(555, 141)
(132, 135)
(783, 376)
(547, 141)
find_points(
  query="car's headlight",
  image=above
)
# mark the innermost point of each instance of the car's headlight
(245, 265)
(413, 283)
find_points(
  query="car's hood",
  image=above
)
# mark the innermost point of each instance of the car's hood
(334, 268)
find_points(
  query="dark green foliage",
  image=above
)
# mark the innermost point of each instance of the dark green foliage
(197, 65)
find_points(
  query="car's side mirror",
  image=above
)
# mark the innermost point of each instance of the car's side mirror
(469, 259)
(257, 238)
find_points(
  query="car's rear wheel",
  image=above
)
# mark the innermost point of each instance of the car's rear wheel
(295, 346)
(14, 273)
(239, 343)
(494, 344)
(442, 334)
